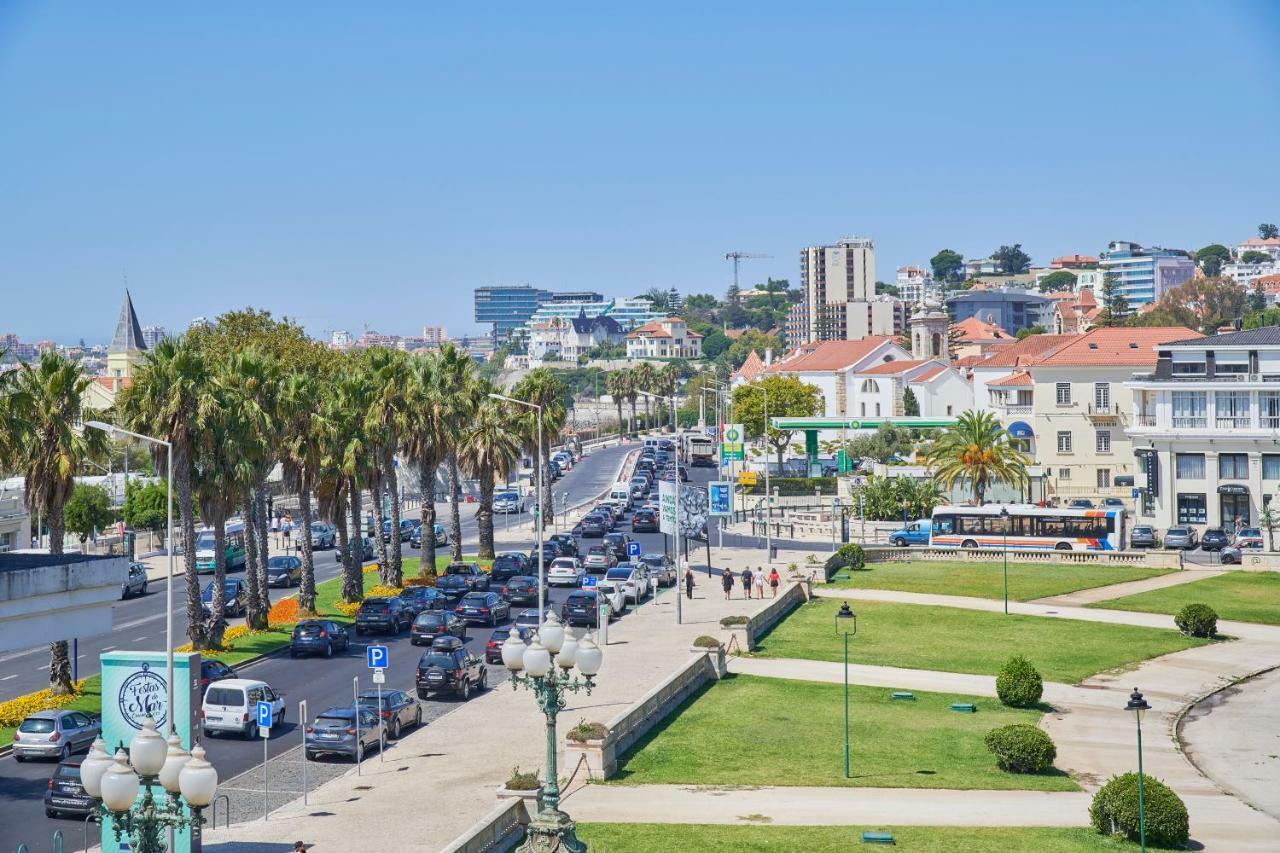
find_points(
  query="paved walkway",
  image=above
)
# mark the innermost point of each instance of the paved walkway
(1120, 590)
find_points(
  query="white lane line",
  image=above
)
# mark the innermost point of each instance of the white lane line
(107, 648)
(7, 677)
(46, 666)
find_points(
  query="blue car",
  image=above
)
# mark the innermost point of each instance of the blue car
(915, 533)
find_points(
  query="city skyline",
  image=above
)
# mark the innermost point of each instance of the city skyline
(256, 170)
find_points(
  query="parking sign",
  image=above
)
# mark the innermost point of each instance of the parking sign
(376, 657)
(588, 581)
(633, 550)
(264, 715)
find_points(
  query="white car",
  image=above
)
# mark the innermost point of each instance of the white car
(231, 705)
(565, 571)
(633, 581)
(508, 502)
(613, 593)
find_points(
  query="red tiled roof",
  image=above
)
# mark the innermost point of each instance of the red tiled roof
(1029, 350)
(973, 360)
(1258, 241)
(654, 329)
(973, 329)
(1013, 379)
(891, 367)
(926, 375)
(109, 382)
(828, 355)
(1120, 347)
(1079, 260)
(751, 367)
(734, 334)
(1270, 283)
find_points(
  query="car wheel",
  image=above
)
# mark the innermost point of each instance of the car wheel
(484, 679)
(968, 543)
(899, 543)
(417, 718)
(422, 694)
(328, 650)
(19, 757)
(1062, 546)
(359, 752)
(466, 690)
(395, 730)
(293, 654)
(311, 756)
(50, 813)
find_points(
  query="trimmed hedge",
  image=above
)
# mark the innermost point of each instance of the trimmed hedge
(1114, 811)
(850, 557)
(1021, 748)
(795, 486)
(1018, 684)
(1197, 620)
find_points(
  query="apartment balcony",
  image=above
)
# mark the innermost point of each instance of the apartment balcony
(1103, 413)
(1014, 410)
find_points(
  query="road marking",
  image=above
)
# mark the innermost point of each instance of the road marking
(138, 639)
(46, 666)
(7, 677)
(107, 648)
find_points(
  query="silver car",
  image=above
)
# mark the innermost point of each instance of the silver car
(1181, 537)
(54, 734)
(323, 535)
(508, 502)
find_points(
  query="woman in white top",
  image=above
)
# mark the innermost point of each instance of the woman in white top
(757, 580)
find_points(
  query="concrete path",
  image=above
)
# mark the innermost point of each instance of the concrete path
(1120, 590)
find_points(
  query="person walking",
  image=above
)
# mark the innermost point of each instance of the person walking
(774, 580)
(275, 529)
(746, 582)
(726, 580)
(758, 580)
(286, 530)
(688, 583)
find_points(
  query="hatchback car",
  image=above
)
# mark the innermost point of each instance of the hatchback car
(284, 571)
(442, 536)
(212, 670)
(1214, 539)
(493, 648)
(318, 637)
(134, 583)
(1142, 536)
(54, 734)
(436, 623)
(66, 794)
(323, 536)
(483, 608)
(1112, 503)
(523, 589)
(564, 571)
(644, 521)
(450, 668)
(1248, 537)
(508, 502)
(599, 559)
(633, 582)
(383, 614)
(348, 732)
(1180, 537)
(581, 608)
(398, 710)
(235, 597)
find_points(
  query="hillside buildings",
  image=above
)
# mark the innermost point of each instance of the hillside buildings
(840, 302)
(1009, 309)
(1143, 275)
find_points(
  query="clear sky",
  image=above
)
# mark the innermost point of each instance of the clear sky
(352, 163)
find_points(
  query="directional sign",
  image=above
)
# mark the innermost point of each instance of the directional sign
(264, 715)
(731, 445)
(633, 550)
(720, 497)
(376, 657)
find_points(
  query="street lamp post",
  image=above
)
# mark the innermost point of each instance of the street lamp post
(846, 625)
(537, 517)
(546, 663)
(1137, 705)
(1004, 517)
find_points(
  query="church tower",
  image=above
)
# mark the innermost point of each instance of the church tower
(127, 345)
(929, 326)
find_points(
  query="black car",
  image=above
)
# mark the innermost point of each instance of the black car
(594, 525)
(507, 566)
(452, 587)
(235, 596)
(1214, 539)
(318, 637)
(284, 571)
(212, 670)
(450, 668)
(1142, 536)
(65, 794)
(420, 598)
(484, 608)
(550, 551)
(406, 529)
(135, 581)
(528, 618)
(383, 614)
(523, 589)
(581, 608)
(397, 709)
(432, 624)
(617, 542)
(644, 521)
(475, 577)
(493, 648)
(565, 542)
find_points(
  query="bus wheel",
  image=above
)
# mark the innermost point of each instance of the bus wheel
(1062, 546)
(968, 543)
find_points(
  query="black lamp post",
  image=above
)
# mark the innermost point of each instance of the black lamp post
(1004, 517)
(846, 625)
(1137, 705)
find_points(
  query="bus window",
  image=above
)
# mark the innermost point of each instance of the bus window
(944, 525)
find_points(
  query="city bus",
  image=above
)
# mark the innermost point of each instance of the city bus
(233, 547)
(1027, 527)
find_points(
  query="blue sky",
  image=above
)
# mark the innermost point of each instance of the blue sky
(373, 163)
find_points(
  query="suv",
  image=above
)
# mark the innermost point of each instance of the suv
(1142, 536)
(361, 546)
(915, 533)
(442, 536)
(618, 542)
(644, 521)
(1214, 539)
(54, 734)
(323, 535)
(318, 636)
(507, 566)
(420, 598)
(566, 543)
(485, 608)
(383, 614)
(1180, 537)
(581, 608)
(594, 524)
(134, 583)
(450, 668)
(661, 572)
(523, 589)
(433, 624)
(476, 579)
(508, 502)
(338, 731)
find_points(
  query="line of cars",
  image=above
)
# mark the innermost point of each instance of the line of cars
(1229, 546)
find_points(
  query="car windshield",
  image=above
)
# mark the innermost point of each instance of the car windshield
(507, 496)
(232, 696)
(430, 619)
(653, 561)
(618, 574)
(36, 725)
(1177, 531)
(374, 605)
(519, 581)
(308, 627)
(204, 542)
(318, 527)
(70, 772)
(581, 598)
(476, 599)
(333, 721)
(1214, 531)
(280, 563)
(596, 549)
(440, 660)
(458, 569)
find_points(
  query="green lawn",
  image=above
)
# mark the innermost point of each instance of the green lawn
(1244, 596)
(762, 838)
(747, 730)
(1027, 581)
(955, 640)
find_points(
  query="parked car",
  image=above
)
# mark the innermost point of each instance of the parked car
(1080, 503)
(1180, 537)
(565, 571)
(54, 734)
(349, 732)
(599, 559)
(475, 577)
(528, 618)
(442, 536)
(567, 544)
(211, 670)
(449, 668)
(362, 547)
(582, 608)
(661, 571)
(632, 580)
(914, 533)
(1113, 503)
(431, 624)
(1248, 537)
(388, 615)
(235, 597)
(614, 595)
(644, 521)
(508, 565)
(284, 571)
(323, 535)
(483, 608)
(231, 706)
(407, 526)
(493, 648)
(1142, 536)
(1214, 539)
(593, 525)
(318, 637)
(65, 794)
(135, 581)
(419, 598)
(618, 542)
(508, 502)
(397, 709)
(523, 589)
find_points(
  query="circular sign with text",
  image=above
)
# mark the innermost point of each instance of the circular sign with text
(144, 694)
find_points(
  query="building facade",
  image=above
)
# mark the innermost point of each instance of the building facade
(628, 312)
(152, 335)
(914, 284)
(1009, 309)
(1142, 275)
(835, 275)
(568, 340)
(507, 308)
(669, 337)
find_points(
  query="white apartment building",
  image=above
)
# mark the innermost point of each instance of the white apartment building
(670, 337)
(915, 284)
(834, 275)
(940, 390)
(1269, 245)
(1245, 274)
(1206, 429)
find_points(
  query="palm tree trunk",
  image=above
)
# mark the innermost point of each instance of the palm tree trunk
(307, 587)
(57, 530)
(455, 514)
(182, 485)
(647, 422)
(484, 515)
(353, 574)
(340, 522)
(547, 515)
(218, 610)
(633, 416)
(375, 495)
(59, 652)
(394, 573)
(427, 476)
(254, 556)
(621, 424)
(264, 547)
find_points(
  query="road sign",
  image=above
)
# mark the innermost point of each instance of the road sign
(719, 497)
(379, 676)
(667, 518)
(731, 444)
(588, 581)
(376, 657)
(748, 478)
(264, 715)
(633, 550)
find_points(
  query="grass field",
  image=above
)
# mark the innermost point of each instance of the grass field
(975, 641)
(1243, 596)
(746, 730)
(1027, 581)
(717, 838)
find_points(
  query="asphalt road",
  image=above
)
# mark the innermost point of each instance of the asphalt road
(323, 683)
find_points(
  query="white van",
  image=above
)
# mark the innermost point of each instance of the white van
(621, 492)
(231, 706)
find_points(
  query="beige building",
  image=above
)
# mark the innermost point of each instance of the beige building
(669, 337)
(835, 275)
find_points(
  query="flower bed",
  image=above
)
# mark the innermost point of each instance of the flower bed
(16, 710)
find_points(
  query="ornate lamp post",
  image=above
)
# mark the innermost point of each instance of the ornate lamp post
(1137, 705)
(846, 625)
(546, 663)
(1004, 517)
(114, 782)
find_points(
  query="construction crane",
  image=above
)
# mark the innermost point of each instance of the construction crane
(737, 256)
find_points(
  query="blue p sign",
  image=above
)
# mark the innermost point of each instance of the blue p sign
(264, 715)
(376, 657)
(633, 549)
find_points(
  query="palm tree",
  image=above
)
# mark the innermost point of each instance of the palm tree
(541, 388)
(164, 401)
(633, 393)
(666, 382)
(977, 452)
(350, 455)
(487, 449)
(455, 378)
(617, 384)
(214, 482)
(643, 375)
(425, 441)
(49, 448)
(388, 420)
(302, 447)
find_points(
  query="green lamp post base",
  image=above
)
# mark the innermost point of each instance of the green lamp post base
(551, 831)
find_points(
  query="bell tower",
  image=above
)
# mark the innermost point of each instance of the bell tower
(929, 326)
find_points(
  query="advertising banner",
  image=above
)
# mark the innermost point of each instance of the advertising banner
(732, 446)
(667, 507)
(720, 497)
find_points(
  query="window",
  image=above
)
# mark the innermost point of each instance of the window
(948, 411)
(1102, 397)
(1269, 409)
(1191, 509)
(864, 410)
(1233, 466)
(1104, 478)
(877, 410)
(1063, 393)
(1189, 466)
(1271, 466)
(1190, 410)
(1232, 409)
(869, 386)
(1064, 441)
(1064, 473)
(1102, 441)
(1188, 364)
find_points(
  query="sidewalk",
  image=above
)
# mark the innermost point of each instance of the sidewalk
(1120, 590)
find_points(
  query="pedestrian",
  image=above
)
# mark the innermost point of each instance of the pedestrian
(774, 580)
(746, 582)
(286, 530)
(726, 580)
(758, 580)
(299, 847)
(688, 583)
(275, 529)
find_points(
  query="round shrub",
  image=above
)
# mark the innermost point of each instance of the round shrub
(1114, 811)
(1018, 684)
(1022, 748)
(850, 557)
(707, 642)
(1197, 620)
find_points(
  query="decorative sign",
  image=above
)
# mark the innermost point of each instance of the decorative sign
(720, 497)
(144, 694)
(693, 512)
(667, 507)
(732, 446)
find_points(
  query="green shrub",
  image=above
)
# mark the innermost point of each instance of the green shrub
(795, 486)
(732, 621)
(706, 641)
(850, 557)
(1018, 684)
(1022, 748)
(585, 731)
(1197, 620)
(522, 781)
(1114, 811)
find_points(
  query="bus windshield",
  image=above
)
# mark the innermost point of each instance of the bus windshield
(204, 542)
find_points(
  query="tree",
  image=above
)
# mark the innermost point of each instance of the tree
(883, 287)
(302, 447)
(714, 343)
(1205, 304)
(1060, 281)
(88, 510)
(1028, 331)
(455, 376)
(1011, 259)
(1212, 257)
(1268, 231)
(751, 340)
(618, 385)
(542, 388)
(910, 405)
(488, 449)
(660, 298)
(1115, 307)
(1253, 256)
(788, 397)
(1257, 298)
(425, 442)
(642, 378)
(947, 266)
(976, 451)
(145, 505)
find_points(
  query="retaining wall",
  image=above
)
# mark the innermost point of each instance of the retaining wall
(1154, 558)
(497, 832)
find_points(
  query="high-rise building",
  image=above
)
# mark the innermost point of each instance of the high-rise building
(152, 335)
(1143, 275)
(508, 308)
(914, 284)
(434, 335)
(835, 275)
